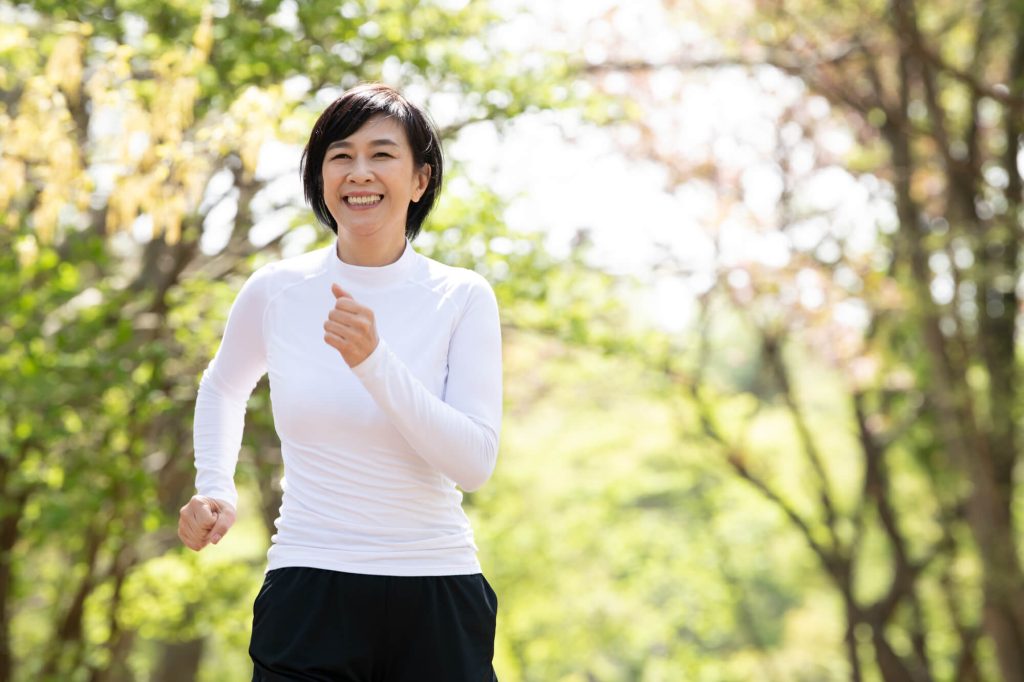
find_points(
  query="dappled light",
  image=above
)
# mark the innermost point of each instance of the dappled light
(759, 275)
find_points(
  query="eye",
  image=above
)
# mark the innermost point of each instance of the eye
(340, 155)
(384, 154)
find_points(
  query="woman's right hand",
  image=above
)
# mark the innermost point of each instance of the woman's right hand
(204, 520)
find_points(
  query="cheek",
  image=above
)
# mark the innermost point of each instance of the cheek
(331, 171)
(329, 181)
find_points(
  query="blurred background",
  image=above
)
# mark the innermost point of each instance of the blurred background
(760, 278)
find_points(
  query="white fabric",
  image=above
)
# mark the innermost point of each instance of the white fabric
(373, 454)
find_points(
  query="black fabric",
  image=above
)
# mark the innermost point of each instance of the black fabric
(312, 624)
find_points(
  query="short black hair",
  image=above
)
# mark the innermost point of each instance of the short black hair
(347, 114)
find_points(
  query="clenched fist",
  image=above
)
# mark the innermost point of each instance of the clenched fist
(350, 328)
(204, 520)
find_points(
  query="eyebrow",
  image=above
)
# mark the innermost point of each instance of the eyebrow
(373, 143)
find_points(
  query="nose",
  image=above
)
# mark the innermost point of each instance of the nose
(360, 171)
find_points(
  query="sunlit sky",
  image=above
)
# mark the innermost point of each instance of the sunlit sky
(561, 174)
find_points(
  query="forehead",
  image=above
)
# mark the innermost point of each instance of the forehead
(378, 130)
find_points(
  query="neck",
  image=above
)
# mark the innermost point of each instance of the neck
(370, 252)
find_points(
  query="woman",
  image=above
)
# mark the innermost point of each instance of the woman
(385, 380)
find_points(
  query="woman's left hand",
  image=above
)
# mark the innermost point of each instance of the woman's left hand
(350, 328)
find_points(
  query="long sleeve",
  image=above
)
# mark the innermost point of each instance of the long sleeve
(224, 390)
(459, 434)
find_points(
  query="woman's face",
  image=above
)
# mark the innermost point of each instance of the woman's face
(369, 179)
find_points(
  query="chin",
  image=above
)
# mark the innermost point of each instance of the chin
(361, 231)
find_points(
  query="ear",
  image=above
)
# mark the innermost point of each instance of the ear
(421, 182)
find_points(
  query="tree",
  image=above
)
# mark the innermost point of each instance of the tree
(933, 94)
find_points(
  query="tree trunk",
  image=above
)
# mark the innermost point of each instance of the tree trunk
(8, 537)
(179, 661)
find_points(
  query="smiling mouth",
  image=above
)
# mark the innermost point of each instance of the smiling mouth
(363, 200)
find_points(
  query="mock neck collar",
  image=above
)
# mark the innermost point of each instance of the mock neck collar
(372, 275)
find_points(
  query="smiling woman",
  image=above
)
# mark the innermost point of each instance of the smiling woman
(371, 135)
(370, 179)
(385, 379)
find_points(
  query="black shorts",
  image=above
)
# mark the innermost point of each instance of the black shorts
(329, 626)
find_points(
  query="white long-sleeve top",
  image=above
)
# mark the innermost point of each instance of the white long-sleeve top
(372, 454)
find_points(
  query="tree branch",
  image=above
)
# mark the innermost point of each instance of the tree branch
(772, 351)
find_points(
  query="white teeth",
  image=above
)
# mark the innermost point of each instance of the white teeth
(364, 200)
